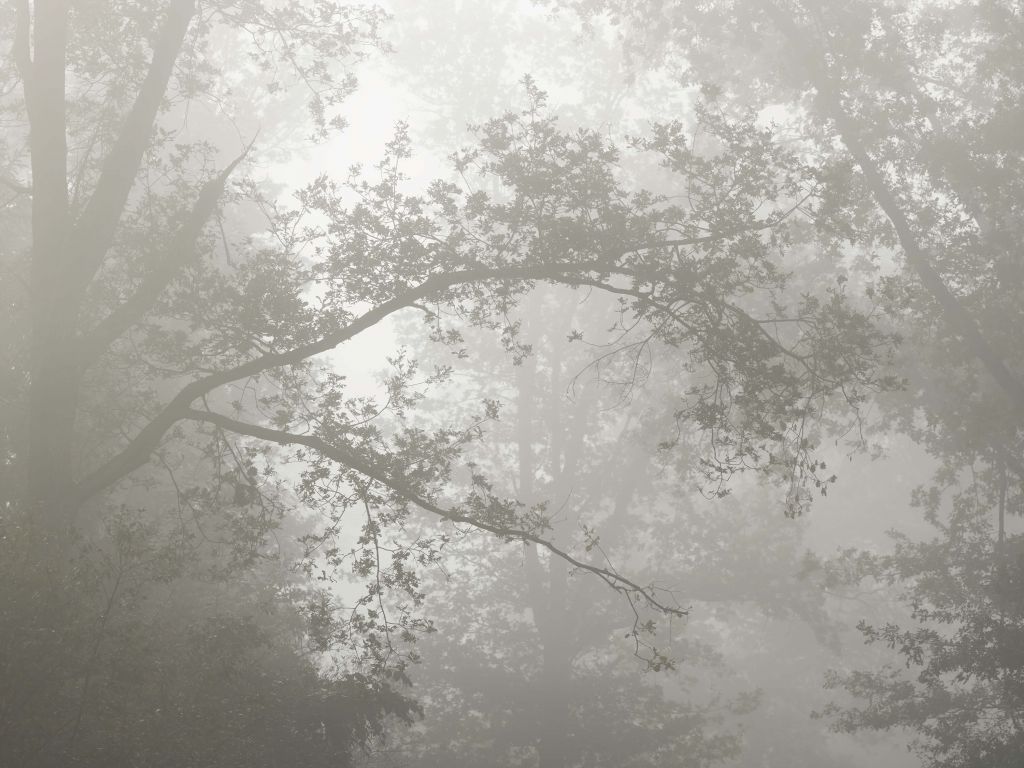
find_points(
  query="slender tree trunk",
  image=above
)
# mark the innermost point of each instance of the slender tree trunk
(526, 381)
(564, 431)
(559, 631)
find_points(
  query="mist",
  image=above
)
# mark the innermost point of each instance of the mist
(543, 384)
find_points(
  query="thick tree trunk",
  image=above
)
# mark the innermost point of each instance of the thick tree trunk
(67, 253)
(53, 388)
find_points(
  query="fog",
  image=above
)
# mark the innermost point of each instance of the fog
(515, 383)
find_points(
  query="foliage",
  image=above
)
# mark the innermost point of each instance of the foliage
(902, 110)
(961, 688)
(172, 320)
(139, 648)
(533, 665)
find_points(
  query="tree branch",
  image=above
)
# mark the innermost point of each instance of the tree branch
(958, 318)
(95, 230)
(176, 256)
(15, 186)
(353, 461)
(714, 237)
(137, 452)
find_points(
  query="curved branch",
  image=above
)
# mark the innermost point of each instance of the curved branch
(139, 449)
(352, 460)
(137, 452)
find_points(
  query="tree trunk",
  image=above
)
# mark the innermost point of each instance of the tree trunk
(565, 426)
(53, 393)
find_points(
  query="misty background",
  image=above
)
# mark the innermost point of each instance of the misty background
(464, 383)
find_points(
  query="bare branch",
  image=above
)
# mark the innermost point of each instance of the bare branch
(15, 186)
(358, 463)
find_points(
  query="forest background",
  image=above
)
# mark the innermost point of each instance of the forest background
(500, 383)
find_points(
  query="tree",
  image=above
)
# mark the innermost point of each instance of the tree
(448, 246)
(905, 110)
(130, 636)
(146, 648)
(150, 346)
(960, 688)
(533, 666)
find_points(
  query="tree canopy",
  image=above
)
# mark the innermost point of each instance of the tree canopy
(217, 543)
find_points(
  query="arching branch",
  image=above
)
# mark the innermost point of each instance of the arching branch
(139, 449)
(345, 456)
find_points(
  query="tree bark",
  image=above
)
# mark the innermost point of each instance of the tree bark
(66, 254)
(53, 395)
